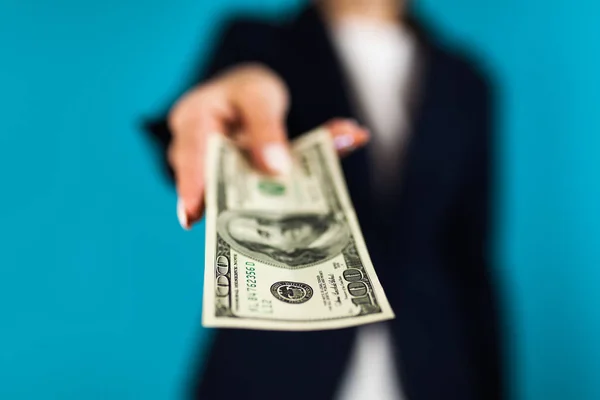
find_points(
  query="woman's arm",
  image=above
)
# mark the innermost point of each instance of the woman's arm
(242, 95)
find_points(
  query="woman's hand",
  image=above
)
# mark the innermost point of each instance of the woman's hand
(250, 101)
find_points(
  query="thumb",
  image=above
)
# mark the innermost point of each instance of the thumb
(268, 146)
(262, 103)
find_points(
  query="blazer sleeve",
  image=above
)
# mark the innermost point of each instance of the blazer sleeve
(227, 52)
(476, 208)
(472, 242)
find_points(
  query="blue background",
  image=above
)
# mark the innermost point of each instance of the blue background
(100, 290)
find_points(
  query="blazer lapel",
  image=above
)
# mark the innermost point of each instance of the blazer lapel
(325, 93)
(321, 64)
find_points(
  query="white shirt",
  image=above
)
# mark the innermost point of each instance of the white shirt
(378, 60)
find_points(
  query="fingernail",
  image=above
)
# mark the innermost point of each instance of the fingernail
(182, 215)
(343, 142)
(277, 158)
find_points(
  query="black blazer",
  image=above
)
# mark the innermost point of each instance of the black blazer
(428, 240)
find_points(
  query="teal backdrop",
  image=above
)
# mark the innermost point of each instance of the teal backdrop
(100, 290)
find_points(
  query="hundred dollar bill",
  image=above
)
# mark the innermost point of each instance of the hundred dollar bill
(285, 253)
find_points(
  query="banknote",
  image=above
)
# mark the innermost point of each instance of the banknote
(285, 253)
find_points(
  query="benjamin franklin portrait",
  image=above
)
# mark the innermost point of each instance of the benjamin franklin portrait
(286, 240)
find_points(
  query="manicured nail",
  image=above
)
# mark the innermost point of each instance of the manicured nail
(182, 215)
(343, 142)
(277, 158)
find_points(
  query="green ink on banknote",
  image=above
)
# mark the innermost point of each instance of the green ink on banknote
(271, 188)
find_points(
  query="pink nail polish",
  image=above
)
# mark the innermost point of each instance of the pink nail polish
(343, 142)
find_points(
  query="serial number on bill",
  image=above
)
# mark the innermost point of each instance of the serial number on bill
(256, 305)
(251, 281)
